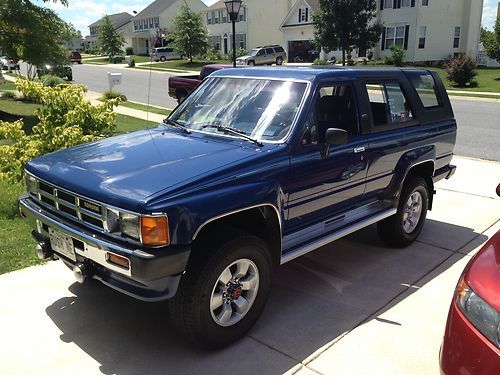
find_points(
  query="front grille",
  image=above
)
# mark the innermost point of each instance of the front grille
(69, 204)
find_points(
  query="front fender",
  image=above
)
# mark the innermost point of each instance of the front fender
(189, 214)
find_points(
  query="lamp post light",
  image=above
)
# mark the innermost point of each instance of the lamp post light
(233, 9)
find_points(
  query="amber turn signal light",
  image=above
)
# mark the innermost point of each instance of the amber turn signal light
(118, 260)
(154, 230)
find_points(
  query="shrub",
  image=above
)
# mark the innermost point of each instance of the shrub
(65, 120)
(131, 63)
(51, 80)
(241, 52)
(461, 70)
(115, 59)
(9, 95)
(388, 60)
(129, 51)
(398, 55)
(351, 62)
(320, 62)
(111, 95)
(212, 54)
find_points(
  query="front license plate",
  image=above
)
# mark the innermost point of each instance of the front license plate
(62, 244)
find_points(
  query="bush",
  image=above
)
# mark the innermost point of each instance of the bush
(129, 51)
(116, 59)
(388, 60)
(131, 63)
(320, 62)
(111, 95)
(461, 70)
(211, 55)
(9, 95)
(65, 120)
(398, 55)
(241, 52)
(351, 62)
(51, 80)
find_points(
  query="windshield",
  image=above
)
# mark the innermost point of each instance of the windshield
(259, 108)
(253, 52)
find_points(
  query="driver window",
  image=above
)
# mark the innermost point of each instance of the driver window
(334, 107)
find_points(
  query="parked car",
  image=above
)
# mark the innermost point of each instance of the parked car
(75, 56)
(471, 343)
(9, 64)
(63, 71)
(164, 54)
(274, 54)
(255, 168)
(180, 86)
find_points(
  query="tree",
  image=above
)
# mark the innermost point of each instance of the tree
(109, 40)
(491, 41)
(346, 24)
(189, 33)
(33, 33)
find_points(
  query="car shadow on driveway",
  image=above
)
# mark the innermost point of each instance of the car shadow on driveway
(315, 299)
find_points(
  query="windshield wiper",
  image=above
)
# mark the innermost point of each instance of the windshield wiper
(176, 124)
(239, 133)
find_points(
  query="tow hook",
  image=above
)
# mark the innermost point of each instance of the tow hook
(80, 272)
(42, 251)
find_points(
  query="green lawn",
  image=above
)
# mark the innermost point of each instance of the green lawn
(141, 59)
(100, 61)
(8, 86)
(488, 80)
(182, 64)
(145, 108)
(17, 248)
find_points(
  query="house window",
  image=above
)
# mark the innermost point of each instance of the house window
(387, 3)
(217, 16)
(209, 18)
(456, 37)
(422, 36)
(303, 14)
(425, 3)
(394, 35)
(243, 14)
(224, 16)
(151, 23)
(241, 41)
(406, 3)
(157, 22)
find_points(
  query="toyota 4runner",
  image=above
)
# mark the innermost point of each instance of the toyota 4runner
(255, 168)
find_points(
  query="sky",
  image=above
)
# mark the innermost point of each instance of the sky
(82, 13)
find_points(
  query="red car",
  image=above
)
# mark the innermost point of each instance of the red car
(471, 343)
(75, 57)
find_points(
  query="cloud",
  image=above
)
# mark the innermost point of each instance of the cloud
(489, 13)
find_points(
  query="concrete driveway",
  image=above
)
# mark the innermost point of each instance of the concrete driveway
(353, 307)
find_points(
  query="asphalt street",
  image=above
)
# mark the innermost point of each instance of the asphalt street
(478, 119)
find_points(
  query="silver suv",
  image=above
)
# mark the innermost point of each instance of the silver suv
(164, 54)
(263, 55)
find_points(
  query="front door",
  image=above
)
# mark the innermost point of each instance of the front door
(324, 185)
(225, 45)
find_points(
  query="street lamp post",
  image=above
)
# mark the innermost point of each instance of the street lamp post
(233, 9)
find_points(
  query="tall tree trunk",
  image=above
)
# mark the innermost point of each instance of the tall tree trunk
(343, 56)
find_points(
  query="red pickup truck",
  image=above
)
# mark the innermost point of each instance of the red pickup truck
(180, 86)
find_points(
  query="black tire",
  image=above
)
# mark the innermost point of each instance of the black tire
(251, 63)
(397, 231)
(190, 309)
(279, 61)
(163, 59)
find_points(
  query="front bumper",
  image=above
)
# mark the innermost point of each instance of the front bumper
(465, 350)
(153, 275)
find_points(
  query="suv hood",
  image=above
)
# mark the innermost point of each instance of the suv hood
(244, 58)
(125, 170)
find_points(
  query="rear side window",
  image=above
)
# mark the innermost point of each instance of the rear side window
(426, 89)
(279, 49)
(388, 103)
(269, 51)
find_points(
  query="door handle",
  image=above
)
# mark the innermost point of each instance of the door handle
(357, 150)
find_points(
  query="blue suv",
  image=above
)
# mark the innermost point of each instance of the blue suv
(254, 169)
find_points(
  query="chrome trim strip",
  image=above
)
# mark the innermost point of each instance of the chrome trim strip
(336, 235)
(240, 210)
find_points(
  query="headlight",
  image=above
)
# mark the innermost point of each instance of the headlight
(482, 316)
(31, 184)
(47, 67)
(150, 230)
(129, 225)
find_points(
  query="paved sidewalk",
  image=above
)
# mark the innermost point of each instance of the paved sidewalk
(352, 307)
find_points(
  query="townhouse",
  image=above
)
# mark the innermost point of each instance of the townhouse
(119, 20)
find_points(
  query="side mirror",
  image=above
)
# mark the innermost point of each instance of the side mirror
(333, 136)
